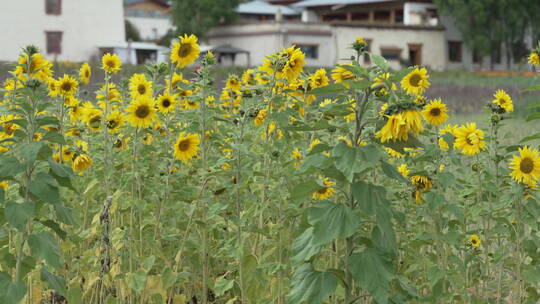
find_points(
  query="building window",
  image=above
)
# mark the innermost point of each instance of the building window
(53, 7)
(399, 16)
(360, 16)
(311, 50)
(382, 16)
(334, 17)
(391, 53)
(454, 51)
(54, 42)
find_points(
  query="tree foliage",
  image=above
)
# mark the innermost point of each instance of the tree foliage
(197, 17)
(488, 25)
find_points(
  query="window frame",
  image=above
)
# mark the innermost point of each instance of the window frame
(309, 45)
(459, 53)
(394, 50)
(48, 42)
(56, 10)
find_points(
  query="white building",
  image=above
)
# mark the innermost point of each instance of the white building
(150, 17)
(65, 30)
(405, 32)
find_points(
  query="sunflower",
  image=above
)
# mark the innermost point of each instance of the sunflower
(141, 112)
(92, 117)
(422, 183)
(341, 74)
(147, 139)
(167, 103)
(413, 121)
(469, 139)
(175, 82)
(416, 81)
(115, 120)
(248, 77)
(525, 167)
(435, 112)
(394, 129)
(81, 162)
(318, 79)
(296, 154)
(393, 153)
(403, 170)
(503, 100)
(140, 87)
(186, 51)
(474, 240)
(534, 58)
(84, 73)
(113, 93)
(11, 84)
(52, 86)
(260, 118)
(314, 143)
(326, 191)
(233, 83)
(75, 111)
(111, 63)
(67, 85)
(186, 147)
(359, 44)
(39, 68)
(294, 65)
(4, 185)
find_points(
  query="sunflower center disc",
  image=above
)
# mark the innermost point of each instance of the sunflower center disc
(66, 86)
(435, 112)
(183, 145)
(142, 111)
(415, 80)
(166, 103)
(184, 50)
(526, 165)
(141, 89)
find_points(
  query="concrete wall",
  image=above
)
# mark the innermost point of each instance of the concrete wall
(262, 39)
(86, 24)
(151, 28)
(432, 41)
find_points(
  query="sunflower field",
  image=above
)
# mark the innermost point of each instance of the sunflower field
(286, 186)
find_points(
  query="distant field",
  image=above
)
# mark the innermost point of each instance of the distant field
(464, 92)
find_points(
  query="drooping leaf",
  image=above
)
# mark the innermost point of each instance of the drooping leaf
(55, 227)
(329, 89)
(311, 286)
(44, 245)
(304, 190)
(56, 283)
(391, 172)
(18, 215)
(136, 280)
(331, 221)
(303, 246)
(372, 273)
(351, 160)
(380, 61)
(9, 167)
(45, 188)
(15, 292)
(222, 285)
(369, 197)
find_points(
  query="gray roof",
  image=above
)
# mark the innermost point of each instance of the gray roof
(312, 3)
(258, 7)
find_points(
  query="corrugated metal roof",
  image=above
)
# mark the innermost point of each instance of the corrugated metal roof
(264, 8)
(312, 3)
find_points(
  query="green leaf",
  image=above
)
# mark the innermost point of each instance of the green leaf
(50, 121)
(148, 263)
(310, 286)
(45, 188)
(434, 274)
(370, 198)
(33, 151)
(533, 116)
(535, 87)
(392, 172)
(400, 145)
(531, 137)
(303, 247)
(18, 215)
(379, 61)
(54, 137)
(136, 280)
(372, 273)
(533, 105)
(351, 160)
(331, 221)
(222, 286)
(304, 189)
(64, 214)
(44, 245)
(329, 89)
(55, 227)
(9, 167)
(55, 282)
(15, 292)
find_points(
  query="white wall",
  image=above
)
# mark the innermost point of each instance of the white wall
(432, 41)
(412, 13)
(86, 25)
(151, 28)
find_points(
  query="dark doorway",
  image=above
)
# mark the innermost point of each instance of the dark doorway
(415, 54)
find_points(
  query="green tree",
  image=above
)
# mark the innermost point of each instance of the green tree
(487, 25)
(132, 33)
(197, 17)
